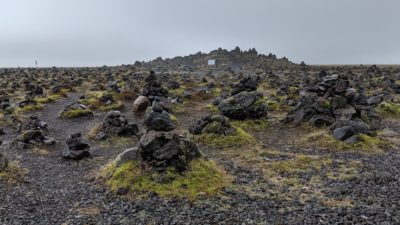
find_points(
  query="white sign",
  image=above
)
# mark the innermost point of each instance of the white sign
(211, 62)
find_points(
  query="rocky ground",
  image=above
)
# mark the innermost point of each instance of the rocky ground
(278, 178)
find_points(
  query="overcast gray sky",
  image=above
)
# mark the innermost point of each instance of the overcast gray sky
(114, 32)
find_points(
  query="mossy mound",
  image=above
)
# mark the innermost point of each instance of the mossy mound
(257, 125)
(203, 178)
(322, 138)
(28, 108)
(115, 106)
(212, 108)
(93, 101)
(45, 100)
(389, 109)
(75, 113)
(236, 139)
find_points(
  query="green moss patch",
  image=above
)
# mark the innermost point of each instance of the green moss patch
(273, 105)
(28, 108)
(212, 108)
(45, 100)
(203, 178)
(173, 118)
(178, 92)
(237, 139)
(75, 113)
(114, 106)
(257, 125)
(300, 163)
(93, 101)
(322, 138)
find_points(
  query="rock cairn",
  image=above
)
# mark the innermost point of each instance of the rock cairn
(77, 148)
(330, 101)
(212, 124)
(116, 124)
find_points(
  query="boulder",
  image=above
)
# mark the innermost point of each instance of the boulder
(245, 105)
(352, 140)
(130, 154)
(343, 133)
(140, 104)
(159, 121)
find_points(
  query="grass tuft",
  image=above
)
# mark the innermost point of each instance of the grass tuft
(389, 109)
(28, 108)
(237, 139)
(257, 125)
(75, 113)
(323, 138)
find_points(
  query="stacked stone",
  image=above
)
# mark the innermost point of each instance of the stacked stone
(116, 124)
(214, 124)
(244, 102)
(77, 148)
(33, 132)
(330, 101)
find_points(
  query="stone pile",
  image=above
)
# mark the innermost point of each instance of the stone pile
(77, 107)
(160, 147)
(77, 147)
(246, 84)
(116, 124)
(164, 149)
(32, 132)
(330, 101)
(152, 91)
(245, 105)
(107, 99)
(214, 124)
(243, 102)
(153, 87)
(158, 118)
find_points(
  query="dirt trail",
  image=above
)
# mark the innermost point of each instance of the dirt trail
(53, 186)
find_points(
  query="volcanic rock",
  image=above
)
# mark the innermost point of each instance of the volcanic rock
(245, 105)
(116, 124)
(212, 124)
(164, 149)
(77, 148)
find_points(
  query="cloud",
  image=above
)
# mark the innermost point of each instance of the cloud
(98, 32)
